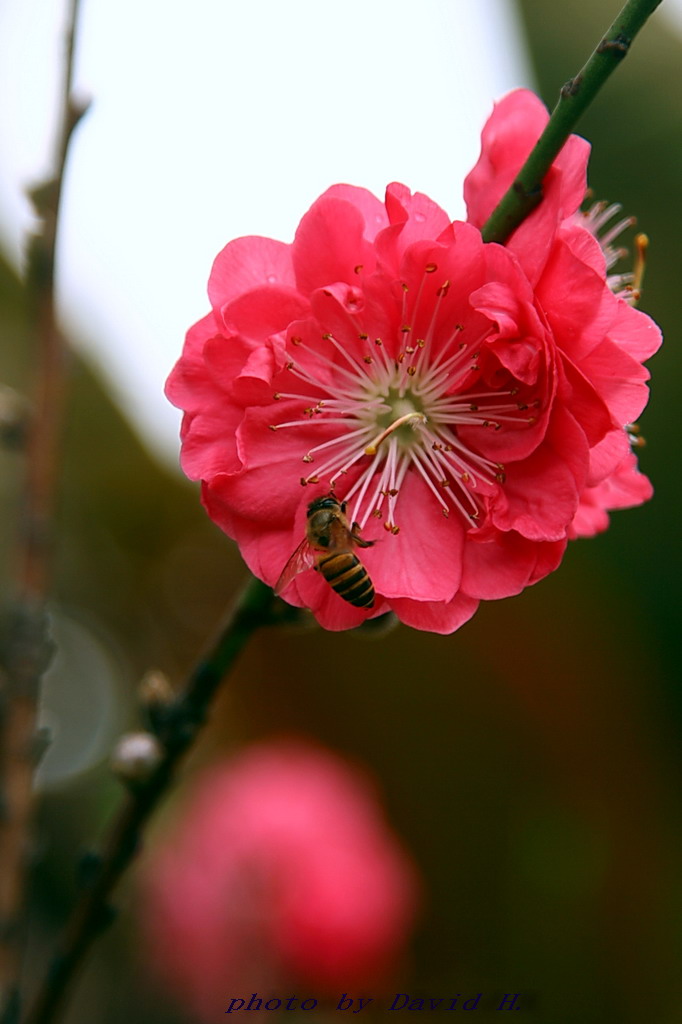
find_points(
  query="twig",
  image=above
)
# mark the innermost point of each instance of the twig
(26, 648)
(526, 190)
(177, 730)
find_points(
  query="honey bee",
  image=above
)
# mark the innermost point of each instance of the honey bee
(328, 548)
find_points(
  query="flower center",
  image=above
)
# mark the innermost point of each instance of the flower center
(386, 411)
(402, 418)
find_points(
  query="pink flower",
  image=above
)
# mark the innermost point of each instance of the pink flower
(280, 871)
(464, 399)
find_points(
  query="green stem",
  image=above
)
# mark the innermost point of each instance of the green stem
(526, 190)
(182, 721)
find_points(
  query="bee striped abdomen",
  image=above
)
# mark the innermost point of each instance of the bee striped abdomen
(346, 574)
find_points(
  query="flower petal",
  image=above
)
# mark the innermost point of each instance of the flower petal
(508, 137)
(506, 563)
(187, 386)
(372, 209)
(635, 332)
(424, 561)
(329, 244)
(248, 263)
(624, 488)
(542, 490)
(435, 616)
(263, 311)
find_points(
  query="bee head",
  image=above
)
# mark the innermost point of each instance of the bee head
(328, 503)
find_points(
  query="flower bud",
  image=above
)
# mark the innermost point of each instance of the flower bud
(155, 689)
(135, 757)
(156, 697)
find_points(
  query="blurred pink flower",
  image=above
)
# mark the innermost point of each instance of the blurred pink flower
(465, 399)
(280, 870)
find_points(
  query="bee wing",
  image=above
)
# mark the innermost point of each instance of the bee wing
(303, 558)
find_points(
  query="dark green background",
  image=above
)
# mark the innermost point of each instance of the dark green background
(530, 761)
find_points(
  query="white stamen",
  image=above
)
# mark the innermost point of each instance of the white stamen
(346, 355)
(364, 402)
(338, 440)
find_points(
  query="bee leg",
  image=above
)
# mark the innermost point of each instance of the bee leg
(355, 534)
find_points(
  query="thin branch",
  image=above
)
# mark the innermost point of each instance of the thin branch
(26, 648)
(526, 190)
(177, 728)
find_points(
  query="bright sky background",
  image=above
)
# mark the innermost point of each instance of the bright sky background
(212, 119)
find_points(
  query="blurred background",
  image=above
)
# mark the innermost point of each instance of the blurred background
(530, 762)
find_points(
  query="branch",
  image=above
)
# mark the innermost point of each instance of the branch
(525, 193)
(25, 646)
(177, 726)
